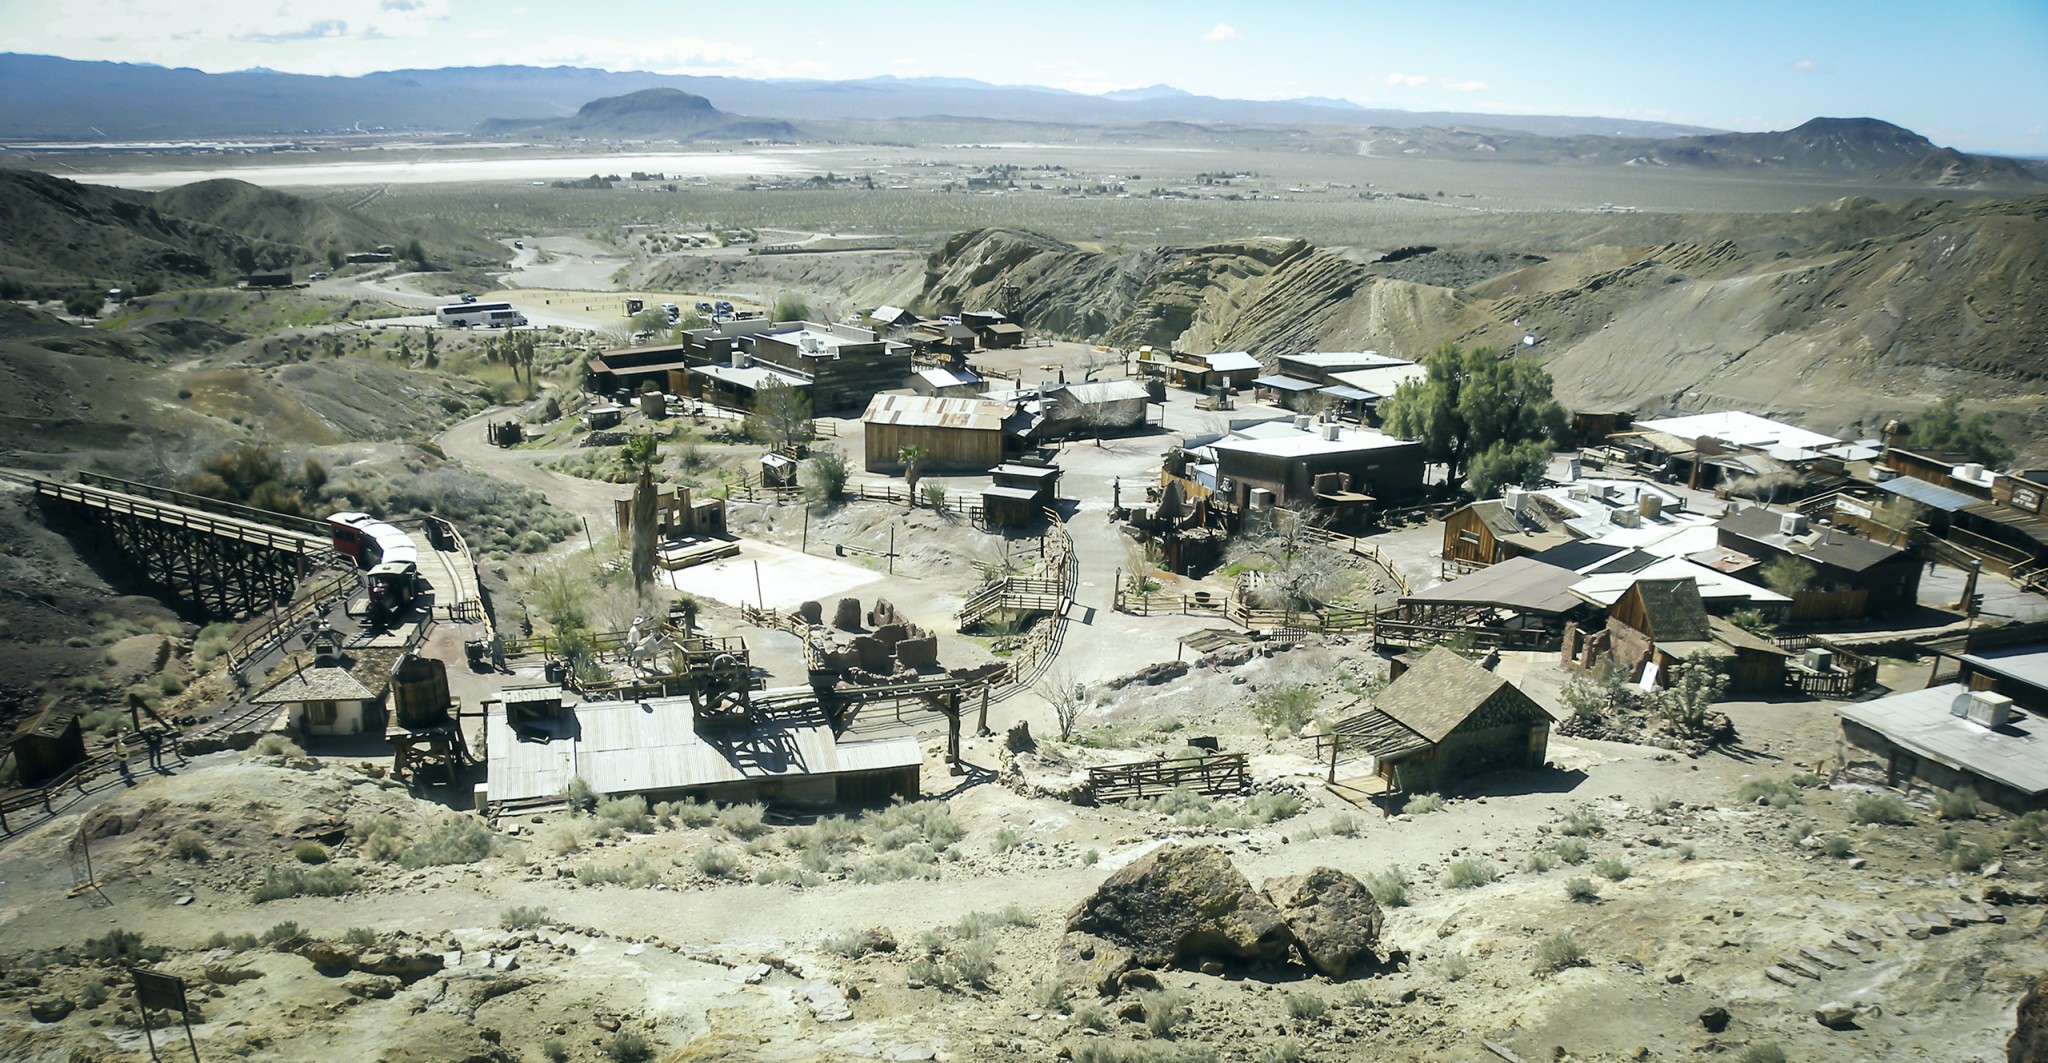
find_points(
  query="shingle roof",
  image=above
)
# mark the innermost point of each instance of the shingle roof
(313, 683)
(1672, 609)
(1435, 695)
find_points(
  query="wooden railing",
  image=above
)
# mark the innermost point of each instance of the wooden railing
(1224, 773)
(1412, 634)
(1197, 603)
(210, 505)
(273, 632)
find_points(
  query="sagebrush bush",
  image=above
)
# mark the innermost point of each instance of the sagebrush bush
(1582, 890)
(1582, 823)
(1880, 809)
(1839, 847)
(1165, 1009)
(1970, 856)
(1610, 868)
(282, 882)
(1774, 792)
(1559, 951)
(1304, 1005)
(1571, 850)
(717, 861)
(524, 918)
(1539, 862)
(310, 852)
(284, 936)
(455, 840)
(1959, 803)
(742, 821)
(624, 815)
(276, 745)
(1388, 886)
(123, 945)
(1422, 804)
(190, 845)
(1467, 872)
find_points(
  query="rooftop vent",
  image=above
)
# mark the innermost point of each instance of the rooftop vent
(1331, 431)
(1301, 422)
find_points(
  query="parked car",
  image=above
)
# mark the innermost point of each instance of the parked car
(466, 297)
(317, 275)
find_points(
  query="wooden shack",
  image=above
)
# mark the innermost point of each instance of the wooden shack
(1445, 720)
(48, 746)
(1661, 623)
(953, 433)
(1020, 493)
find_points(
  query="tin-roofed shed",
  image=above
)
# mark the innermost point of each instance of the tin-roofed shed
(954, 433)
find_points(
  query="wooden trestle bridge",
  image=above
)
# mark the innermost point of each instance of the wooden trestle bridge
(228, 561)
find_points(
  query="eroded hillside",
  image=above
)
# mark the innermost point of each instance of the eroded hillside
(1838, 317)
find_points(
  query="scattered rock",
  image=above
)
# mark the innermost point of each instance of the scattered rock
(1084, 960)
(1332, 916)
(371, 986)
(1714, 1019)
(331, 955)
(1178, 904)
(827, 1002)
(749, 973)
(1835, 1015)
(2029, 1042)
(229, 974)
(50, 1008)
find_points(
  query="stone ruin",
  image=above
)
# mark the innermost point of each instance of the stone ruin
(871, 648)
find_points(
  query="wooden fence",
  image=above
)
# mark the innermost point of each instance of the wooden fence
(1224, 773)
(276, 630)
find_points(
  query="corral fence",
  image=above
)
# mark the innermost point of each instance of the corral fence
(1217, 775)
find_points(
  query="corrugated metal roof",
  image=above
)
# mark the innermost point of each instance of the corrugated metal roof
(1384, 380)
(1522, 583)
(1285, 383)
(931, 411)
(1929, 494)
(1920, 721)
(2026, 664)
(1739, 429)
(1230, 361)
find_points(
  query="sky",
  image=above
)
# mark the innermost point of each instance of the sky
(1971, 74)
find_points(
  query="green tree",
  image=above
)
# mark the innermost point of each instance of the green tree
(1788, 575)
(1945, 427)
(781, 417)
(824, 475)
(912, 457)
(335, 259)
(84, 303)
(1472, 405)
(654, 320)
(415, 254)
(790, 307)
(641, 452)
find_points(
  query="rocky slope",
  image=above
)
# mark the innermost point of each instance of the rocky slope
(1838, 317)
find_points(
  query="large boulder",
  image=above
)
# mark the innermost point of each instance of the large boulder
(2029, 1043)
(1178, 904)
(1332, 916)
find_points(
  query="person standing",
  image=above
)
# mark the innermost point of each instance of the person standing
(121, 756)
(153, 739)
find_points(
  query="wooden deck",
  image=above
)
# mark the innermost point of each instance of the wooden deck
(238, 529)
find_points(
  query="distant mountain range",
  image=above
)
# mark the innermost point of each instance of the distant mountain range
(51, 98)
(663, 113)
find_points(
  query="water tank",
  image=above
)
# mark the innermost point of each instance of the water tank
(419, 693)
(1792, 524)
(1650, 506)
(1819, 660)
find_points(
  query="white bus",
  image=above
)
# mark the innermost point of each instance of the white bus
(469, 315)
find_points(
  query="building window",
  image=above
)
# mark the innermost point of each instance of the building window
(321, 713)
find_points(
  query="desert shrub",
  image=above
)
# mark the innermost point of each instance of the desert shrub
(1661, 804)
(1880, 808)
(1091, 1016)
(1797, 833)
(685, 813)
(1165, 1009)
(380, 837)
(1305, 1006)
(624, 815)
(1686, 852)
(310, 852)
(1959, 803)
(282, 882)
(455, 840)
(276, 745)
(626, 1046)
(976, 924)
(1582, 823)
(1052, 995)
(1285, 1050)
(1467, 872)
(359, 935)
(1570, 850)
(1389, 887)
(905, 823)
(1970, 856)
(933, 973)
(1582, 889)
(638, 875)
(578, 795)
(1422, 803)
(1090, 857)
(1539, 862)
(1778, 793)
(556, 1050)
(2032, 827)
(190, 845)
(717, 861)
(221, 939)
(823, 476)
(566, 837)
(1839, 847)
(284, 936)
(1006, 839)
(1453, 966)
(1284, 710)
(524, 918)
(975, 962)
(741, 821)
(1557, 952)
(1343, 825)
(1610, 868)
(123, 945)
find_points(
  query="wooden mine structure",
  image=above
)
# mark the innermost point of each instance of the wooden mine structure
(229, 561)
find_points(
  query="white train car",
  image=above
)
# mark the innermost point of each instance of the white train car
(370, 542)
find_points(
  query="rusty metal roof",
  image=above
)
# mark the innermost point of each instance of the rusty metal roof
(931, 411)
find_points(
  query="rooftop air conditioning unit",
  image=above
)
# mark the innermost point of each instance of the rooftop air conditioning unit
(1971, 472)
(1330, 432)
(1792, 524)
(1819, 660)
(1982, 707)
(1301, 422)
(1580, 494)
(1260, 500)
(1515, 498)
(740, 360)
(1625, 518)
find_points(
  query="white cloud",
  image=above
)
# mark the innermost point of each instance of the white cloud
(1407, 80)
(1464, 86)
(226, 34)
(673, 55)
(1806, 64)
(1223, 31)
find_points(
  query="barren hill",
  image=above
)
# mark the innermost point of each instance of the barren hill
(58, 232)
(659, 112)
(1837, 317)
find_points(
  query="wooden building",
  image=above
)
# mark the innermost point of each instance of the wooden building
(1490, 531)
(1948, 737)
(1293, 462)
(1853, 576)
(954, 433)
(323, 698)
(1661, 623)
(1444, 721)
(2019, 672)
(631, 368)
(846, 365)
(1020, 494)
(47, 746)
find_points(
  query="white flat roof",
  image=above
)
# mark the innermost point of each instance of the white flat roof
(1294, 443)
(1606, 588)
(2015, 754)
(1741, 429)
(1383, 380)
